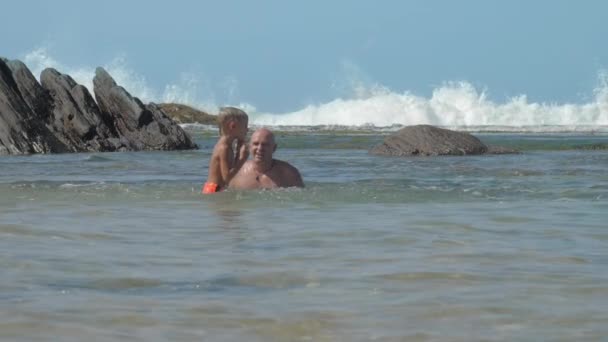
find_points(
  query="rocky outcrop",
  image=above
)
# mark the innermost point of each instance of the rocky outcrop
(76, 116)
(429, 140)
(21, 129)
(59, 115)
(143, 127)
(185, 114)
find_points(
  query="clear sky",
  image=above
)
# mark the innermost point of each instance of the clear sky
(282, 55)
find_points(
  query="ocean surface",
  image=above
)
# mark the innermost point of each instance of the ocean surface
(122, 246)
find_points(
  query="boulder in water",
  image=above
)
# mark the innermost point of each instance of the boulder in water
(427, 140)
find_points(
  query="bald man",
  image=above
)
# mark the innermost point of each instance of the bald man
(262, 171)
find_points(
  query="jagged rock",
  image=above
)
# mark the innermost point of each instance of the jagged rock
(143, 127)
(32, 92)
(21, 130)
(429, 141)
(75, 115)
(59, 115)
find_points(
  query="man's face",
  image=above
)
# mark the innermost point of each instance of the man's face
(262, 146)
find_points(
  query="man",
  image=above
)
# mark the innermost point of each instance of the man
(262, 171)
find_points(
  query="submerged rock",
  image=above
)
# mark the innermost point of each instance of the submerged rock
(427, 140)
(501, 150)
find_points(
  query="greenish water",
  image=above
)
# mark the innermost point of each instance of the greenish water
(121, 246)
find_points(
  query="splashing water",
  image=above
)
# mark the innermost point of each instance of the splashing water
(452, 104)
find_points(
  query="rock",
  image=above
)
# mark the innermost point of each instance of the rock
(185, 114)
(60, 115)
(32, 92)
(75, 115)
(21, 130)
(142, 127)
(429, 141)
(164, 133)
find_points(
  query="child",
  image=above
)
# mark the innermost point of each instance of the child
(224, 164)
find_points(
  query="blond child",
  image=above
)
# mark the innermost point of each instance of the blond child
(224, 164)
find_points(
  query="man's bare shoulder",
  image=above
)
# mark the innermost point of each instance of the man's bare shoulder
(285, 166)
(290, 175)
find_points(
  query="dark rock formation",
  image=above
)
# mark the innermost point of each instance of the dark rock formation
(429, 140)
(75, 116)
(37, 99)
(144, 127)
(21, 130)
(59, 115)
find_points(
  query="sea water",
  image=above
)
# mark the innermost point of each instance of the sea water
(122, 246)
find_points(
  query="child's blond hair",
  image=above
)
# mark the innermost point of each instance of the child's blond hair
(227, 114)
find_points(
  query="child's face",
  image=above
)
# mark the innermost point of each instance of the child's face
(237, 129)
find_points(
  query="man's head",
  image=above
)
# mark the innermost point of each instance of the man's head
(262, 146)
(233, 122)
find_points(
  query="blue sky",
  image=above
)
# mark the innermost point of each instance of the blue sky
(282, 55)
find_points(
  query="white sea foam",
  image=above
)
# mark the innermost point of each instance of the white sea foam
(453, 104)
(364, 103)
(184, 90)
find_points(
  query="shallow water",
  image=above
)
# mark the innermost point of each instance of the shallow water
(121, 246)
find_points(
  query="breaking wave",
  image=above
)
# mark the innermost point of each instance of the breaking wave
(453, 104)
